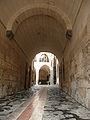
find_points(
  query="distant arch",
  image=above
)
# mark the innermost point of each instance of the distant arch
(44, 74)
(44, 58)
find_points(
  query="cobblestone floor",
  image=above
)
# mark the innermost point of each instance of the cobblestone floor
(50, 103)
(9, 104)
(60, 106)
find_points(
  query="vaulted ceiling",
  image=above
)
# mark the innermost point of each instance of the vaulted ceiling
(39, 25)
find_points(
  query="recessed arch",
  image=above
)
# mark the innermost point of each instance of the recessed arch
(45, 67)
(44, 72)
(38, 9)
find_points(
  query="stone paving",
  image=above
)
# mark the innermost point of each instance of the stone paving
(39, 107)
(50, 103)
(60, 106)
(10, 103)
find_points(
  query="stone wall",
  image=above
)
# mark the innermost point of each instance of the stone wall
(77, 58)
(12, 65)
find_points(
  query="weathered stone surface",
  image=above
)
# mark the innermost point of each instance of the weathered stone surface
(60, 106)
(9, 104)
(12, 66)
(77, 58)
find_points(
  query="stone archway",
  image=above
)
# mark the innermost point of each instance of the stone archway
(44, 74)
(38, 9)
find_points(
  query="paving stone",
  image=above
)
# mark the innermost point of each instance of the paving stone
(60, 106)
(10, 103)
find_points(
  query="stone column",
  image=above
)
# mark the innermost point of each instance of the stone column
(51, 77)
(37, 76)
(29, 82)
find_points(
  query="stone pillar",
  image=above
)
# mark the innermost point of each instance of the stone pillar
(26, 72)
(51, 77)
(37, 76)
(54, 74)
(57, 73)
(54, 70)
(29, 82)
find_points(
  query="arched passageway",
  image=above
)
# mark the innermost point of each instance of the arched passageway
(61, 27)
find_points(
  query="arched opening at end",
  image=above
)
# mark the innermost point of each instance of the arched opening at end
(44, 74)
(45, 69)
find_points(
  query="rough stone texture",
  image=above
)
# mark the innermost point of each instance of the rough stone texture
(12, 66)
(60, 106)
(42, 103)
(11, 104)
(77, 59)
